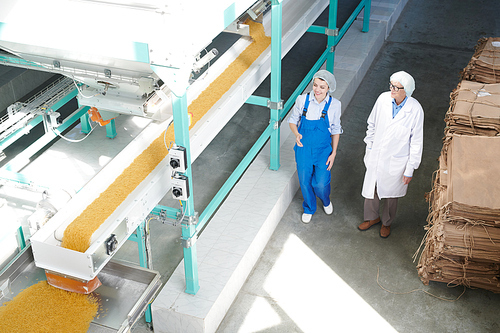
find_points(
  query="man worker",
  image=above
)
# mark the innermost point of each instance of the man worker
(394, 142)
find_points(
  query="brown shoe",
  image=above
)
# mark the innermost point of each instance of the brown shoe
(368, 224)
(385, 231)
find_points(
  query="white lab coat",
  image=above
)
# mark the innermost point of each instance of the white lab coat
(393, 147)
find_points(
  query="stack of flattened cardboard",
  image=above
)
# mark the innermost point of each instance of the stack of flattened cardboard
(484, 65)
(462, 243)
(474, 109)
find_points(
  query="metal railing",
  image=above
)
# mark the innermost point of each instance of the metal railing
(261, 141)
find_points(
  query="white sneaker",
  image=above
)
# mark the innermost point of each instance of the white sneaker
(306, 218)
(328, 209)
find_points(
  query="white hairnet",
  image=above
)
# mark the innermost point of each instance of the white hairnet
(406, 81)
(328, 78)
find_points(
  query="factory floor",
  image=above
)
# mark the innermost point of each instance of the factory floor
(328, 271)
(328, 274)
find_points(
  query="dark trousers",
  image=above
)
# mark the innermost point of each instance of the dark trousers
(389, 207)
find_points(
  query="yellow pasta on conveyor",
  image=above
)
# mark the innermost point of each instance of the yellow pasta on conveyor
(42, 308)
(78, 234)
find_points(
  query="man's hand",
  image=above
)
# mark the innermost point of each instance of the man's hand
(406, 180)
(330, 160)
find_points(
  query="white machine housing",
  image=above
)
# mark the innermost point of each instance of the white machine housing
(174, 70)
(120, 49)
(119, 64)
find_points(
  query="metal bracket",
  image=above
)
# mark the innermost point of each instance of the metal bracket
(187, 243)
(276, 124)
(163, 215)
(332, 49)
(188, 220)
(275, 105)
(331, 32)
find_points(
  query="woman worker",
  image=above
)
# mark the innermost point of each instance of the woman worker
(315, 122)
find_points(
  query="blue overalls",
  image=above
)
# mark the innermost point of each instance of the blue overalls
(314, 178)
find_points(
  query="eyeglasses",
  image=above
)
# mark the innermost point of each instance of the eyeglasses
(393, 87)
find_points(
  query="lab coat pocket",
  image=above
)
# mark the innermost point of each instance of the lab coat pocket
(402, 133)
(397, 165)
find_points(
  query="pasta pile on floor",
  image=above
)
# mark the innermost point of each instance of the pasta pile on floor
(42, 308)
(77, 235)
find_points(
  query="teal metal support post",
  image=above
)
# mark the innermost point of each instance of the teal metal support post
(366, 15)
(181, 130)
(111, 129)
(331, 41)
(20, 238)
(140, 237)
(276, 30)
(85, 122)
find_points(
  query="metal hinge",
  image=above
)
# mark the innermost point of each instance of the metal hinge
(276, 123)
(275, 105)
(187, 243)
(189, 220)
(331, 32)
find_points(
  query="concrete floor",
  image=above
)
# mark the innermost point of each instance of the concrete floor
(322, 277)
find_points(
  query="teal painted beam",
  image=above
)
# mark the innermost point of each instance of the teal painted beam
(75, 116)
(366, 16)
(307, 79)
(111, 129)
(317, 29)
(21, 239)
(229, 14)
(231, 181)
(85, 123)
(289, 103)
(19, 178)
(181, 130)
(350, 20)
(64, 100)
(20, 62)
(257, 100)
(332, 40)
(171, 212)
(276, 32)
(140, 237)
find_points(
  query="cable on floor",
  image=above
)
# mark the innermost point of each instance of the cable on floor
(415, 290)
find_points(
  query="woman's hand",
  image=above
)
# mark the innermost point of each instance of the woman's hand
(295, 132)
(330, 160)
(297, 139)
